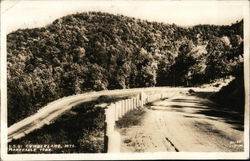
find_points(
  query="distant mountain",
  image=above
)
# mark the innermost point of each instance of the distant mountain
(96, 51)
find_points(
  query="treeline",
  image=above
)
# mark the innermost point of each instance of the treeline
(97, 51)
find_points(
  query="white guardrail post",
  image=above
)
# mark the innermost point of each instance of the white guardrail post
(142, 98)
(121, 106)
(117, 109)
(130, 104)
(112, 136)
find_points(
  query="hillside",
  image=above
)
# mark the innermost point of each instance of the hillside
(97, 51)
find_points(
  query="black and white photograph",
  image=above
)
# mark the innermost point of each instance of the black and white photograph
(106, 79)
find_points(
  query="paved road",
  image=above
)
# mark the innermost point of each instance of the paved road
(55, 109)
(185, 123)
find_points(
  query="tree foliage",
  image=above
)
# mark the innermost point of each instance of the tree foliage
(97, 51)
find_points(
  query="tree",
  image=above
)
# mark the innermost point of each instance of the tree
(217, 63)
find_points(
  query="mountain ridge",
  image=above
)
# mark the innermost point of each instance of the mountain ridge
(96, 51)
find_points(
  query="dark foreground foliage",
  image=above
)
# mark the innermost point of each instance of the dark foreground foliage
(81, 130)
(97, 51)
(232, 96)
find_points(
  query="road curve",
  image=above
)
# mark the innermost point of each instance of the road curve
(53, 110)
(56, 108)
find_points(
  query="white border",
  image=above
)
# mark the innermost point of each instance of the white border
(246, 75)
(3, 78)
(127, 156)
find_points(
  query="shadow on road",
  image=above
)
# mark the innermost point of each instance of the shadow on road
(198, 103)
(203, 94)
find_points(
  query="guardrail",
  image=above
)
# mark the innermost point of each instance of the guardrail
(54, 109)
(117, 110)
(44, 115)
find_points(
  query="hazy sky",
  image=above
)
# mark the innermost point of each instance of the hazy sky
(37, 13)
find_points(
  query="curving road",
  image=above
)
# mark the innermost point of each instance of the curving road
(56, 108)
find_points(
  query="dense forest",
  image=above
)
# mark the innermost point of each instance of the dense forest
(97, 51)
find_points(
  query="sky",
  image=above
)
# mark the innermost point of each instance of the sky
(38, 13)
